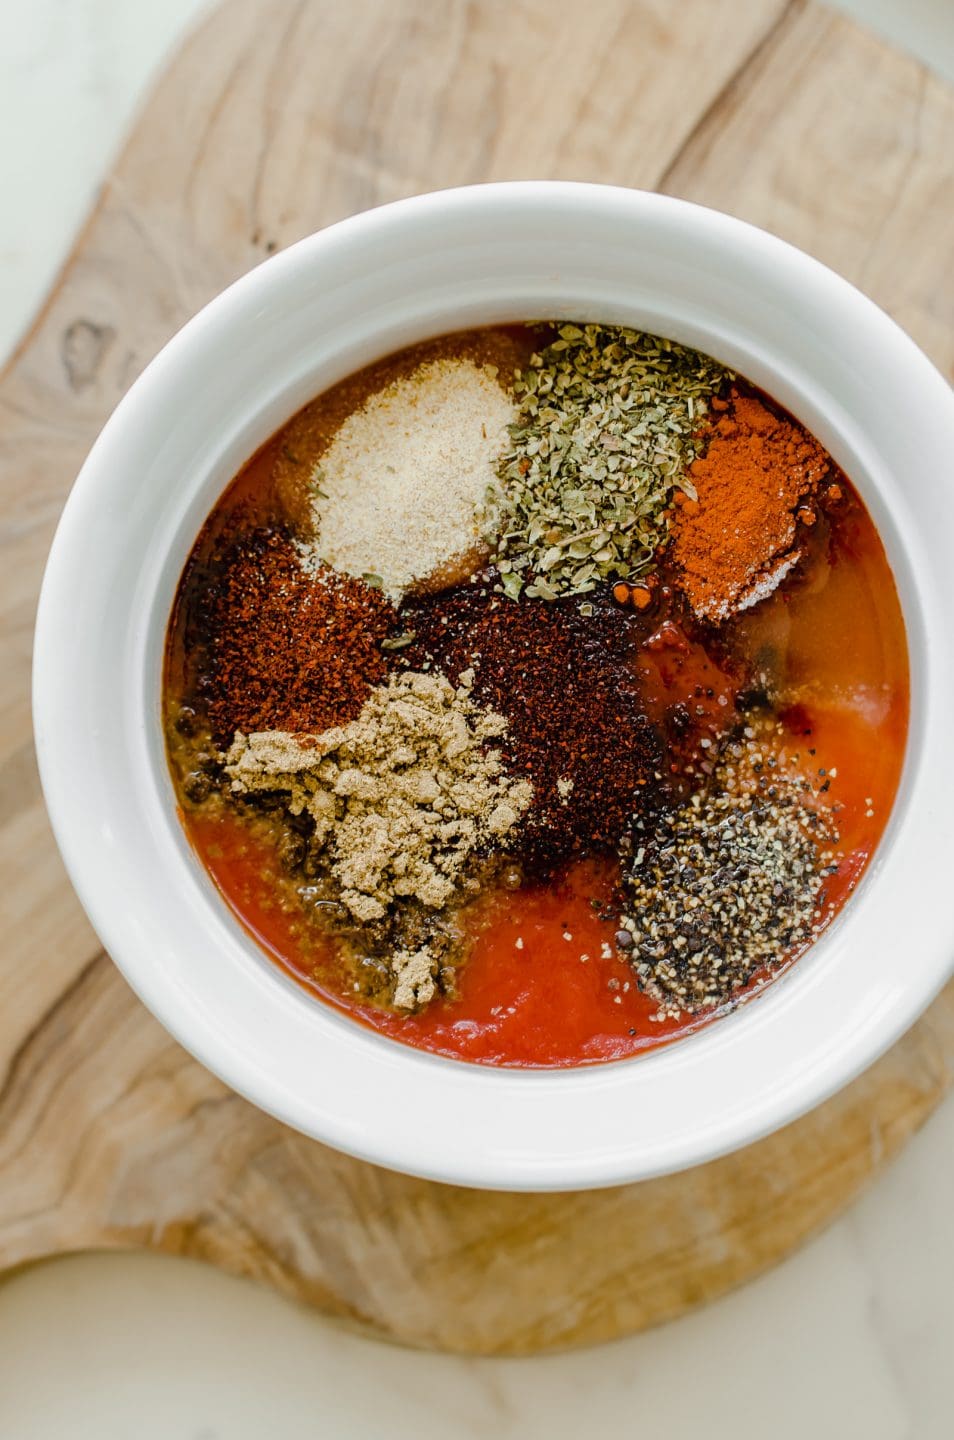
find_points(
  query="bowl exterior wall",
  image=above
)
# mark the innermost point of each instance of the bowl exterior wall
(282, 334)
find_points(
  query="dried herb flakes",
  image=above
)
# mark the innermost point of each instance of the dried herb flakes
(608, 423)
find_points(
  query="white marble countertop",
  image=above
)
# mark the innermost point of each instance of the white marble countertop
(850, 1338)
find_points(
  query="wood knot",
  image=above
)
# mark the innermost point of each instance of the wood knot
(83, 350)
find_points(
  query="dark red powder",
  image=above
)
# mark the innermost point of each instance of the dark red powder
(568, 684)
(282, 649)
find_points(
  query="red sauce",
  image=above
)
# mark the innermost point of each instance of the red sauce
(538, 989)
(543, 984)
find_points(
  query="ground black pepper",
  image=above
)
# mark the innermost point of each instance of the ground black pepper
(562, 673)
(728, 886)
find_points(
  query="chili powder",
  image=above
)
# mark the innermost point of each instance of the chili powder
(283, 648)
(563, 673)
(754, 484)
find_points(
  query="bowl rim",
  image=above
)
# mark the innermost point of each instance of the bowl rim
(499, 1128)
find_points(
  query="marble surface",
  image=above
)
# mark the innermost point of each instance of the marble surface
(849, 1338)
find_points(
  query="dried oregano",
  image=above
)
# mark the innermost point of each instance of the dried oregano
(608, 423)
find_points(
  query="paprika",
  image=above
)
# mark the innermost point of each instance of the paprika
(740, 539)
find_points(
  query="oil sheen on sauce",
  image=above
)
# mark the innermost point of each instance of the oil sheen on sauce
(543, 985)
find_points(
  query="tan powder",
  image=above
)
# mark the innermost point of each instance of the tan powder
(401, 797)
(401, 484)
(414, 983)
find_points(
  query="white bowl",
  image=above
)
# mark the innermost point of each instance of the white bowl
(294, 326)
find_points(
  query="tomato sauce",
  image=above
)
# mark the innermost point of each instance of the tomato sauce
(543, 984)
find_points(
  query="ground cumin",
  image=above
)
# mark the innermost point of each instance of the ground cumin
(401, 798)
(739, 539)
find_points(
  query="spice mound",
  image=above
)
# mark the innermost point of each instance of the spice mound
(730, 884)
(607, 426)
(398, 490)
(564, 674)
(754, 486)
(285, 649)
(401, 800)
(507, 683)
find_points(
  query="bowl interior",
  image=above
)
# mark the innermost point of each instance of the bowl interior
(287, 331)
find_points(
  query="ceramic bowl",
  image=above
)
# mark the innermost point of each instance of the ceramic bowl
(227, 381)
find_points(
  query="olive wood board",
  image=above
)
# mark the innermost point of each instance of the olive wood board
(277, 117)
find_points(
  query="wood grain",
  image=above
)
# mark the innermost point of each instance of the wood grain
(276, 118)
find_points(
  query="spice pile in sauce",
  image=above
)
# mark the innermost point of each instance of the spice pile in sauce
(538, 693)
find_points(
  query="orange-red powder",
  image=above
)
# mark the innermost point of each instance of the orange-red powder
(741, 536)
(285, 649)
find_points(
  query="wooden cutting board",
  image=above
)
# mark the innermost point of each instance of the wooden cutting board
(277, 117)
